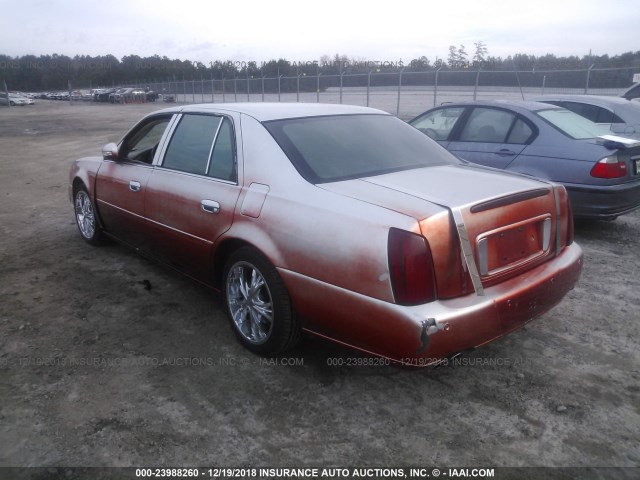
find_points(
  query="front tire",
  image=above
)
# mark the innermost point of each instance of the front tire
(258, 304)
(86, 217)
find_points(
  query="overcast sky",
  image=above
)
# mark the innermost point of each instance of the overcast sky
(245, 30)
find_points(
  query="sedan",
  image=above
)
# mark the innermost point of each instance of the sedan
(601, 172)
(620, 116)
(102, 94)
(341, 221)
(16, 100)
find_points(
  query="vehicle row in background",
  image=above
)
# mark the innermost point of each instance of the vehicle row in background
(124, 95)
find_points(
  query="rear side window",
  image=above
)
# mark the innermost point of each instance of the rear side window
(520, 132)
(487, 125)
(340, 147)
(223, 159)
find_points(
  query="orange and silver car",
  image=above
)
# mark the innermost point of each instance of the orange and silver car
(340, 221)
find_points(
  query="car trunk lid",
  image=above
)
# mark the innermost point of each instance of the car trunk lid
(491, 225)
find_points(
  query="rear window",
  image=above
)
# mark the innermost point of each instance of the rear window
(341, 147)
(572, 124)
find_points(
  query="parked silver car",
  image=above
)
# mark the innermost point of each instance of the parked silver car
(621, 116)
(633, 92)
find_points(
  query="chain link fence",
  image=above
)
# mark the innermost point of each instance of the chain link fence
(404, 93)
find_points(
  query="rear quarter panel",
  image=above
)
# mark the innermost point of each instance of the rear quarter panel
(308, 230)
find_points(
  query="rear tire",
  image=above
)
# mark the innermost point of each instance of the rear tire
(258, 304)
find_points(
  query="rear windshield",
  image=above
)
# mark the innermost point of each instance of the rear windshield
(333, 148)
(572, 124)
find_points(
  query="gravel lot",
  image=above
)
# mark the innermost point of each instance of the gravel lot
(97, 370)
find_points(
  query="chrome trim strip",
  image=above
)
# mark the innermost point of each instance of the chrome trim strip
(546, 234)
(157, 223)
(483, 256)
(120, 208)
(467, 251)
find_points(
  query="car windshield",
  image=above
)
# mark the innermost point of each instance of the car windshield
(572, 124)
(341, 147)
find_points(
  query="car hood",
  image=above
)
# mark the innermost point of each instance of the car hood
(444, 186)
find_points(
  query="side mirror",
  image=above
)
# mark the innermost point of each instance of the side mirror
(110, 152)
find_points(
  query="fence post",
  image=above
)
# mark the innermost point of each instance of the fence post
(297, 88)
(586, 87)
(224, 97)
(435, 87)
(368, 86)
(318, 87)
(213, 88)
(235, 89)
(399, 90)
(519, 84)
(193, 91)
(202, 89)
(544, 81)
(475, 88)
(248, 90)
(279, 77)
(263, 88)
(341, 75)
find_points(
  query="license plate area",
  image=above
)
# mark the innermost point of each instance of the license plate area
(513, 245)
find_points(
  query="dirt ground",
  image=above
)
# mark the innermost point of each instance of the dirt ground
(97, 370)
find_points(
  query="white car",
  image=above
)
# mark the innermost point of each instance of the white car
(620, 116)
(16, 100)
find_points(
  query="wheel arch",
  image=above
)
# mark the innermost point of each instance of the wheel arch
(222, 253)
(241, 233)
(81, 178)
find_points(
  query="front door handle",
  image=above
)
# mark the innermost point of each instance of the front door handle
(210, 206)
(134, 186)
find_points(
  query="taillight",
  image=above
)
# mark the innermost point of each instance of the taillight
(569, 239)
(609, 167)
(411, 266)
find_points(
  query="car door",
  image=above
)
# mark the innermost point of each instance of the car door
(192, 192)
(491, 136)
(121, 183)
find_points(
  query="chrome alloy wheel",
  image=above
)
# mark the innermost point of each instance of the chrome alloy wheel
(250, 303)
(84, 215)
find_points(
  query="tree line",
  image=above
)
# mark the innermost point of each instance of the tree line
(54, 72)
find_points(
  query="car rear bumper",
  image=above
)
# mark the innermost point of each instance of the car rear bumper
(408, 335)
(604, 202)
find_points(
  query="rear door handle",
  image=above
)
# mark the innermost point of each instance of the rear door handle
(504, 152)
(134, 186)
(210, 206)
